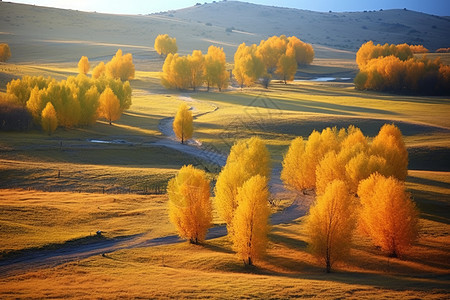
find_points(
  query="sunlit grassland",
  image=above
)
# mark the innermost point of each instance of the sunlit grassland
(212, 270)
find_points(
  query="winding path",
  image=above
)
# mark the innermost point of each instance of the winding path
(30, 259)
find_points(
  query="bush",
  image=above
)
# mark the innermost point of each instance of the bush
(14, 117)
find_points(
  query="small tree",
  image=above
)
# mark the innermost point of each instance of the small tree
(250, 222)
(388, 215)
(121, 66)
(49, 121)
(330, 224)
(189, 204)
(164, 45)
(83, 65)
(286, 67)
(109, 107)
(5, 52)
(183, 123)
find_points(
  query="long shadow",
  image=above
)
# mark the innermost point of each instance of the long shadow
(430, 182)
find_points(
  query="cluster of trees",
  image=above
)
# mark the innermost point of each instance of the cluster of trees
(394, 68)
(443, 50)
(193, 71)
(5, 52)
(358, 185)
(78, 100)
(418, 49)
(165, 45)
(342, 167)
(119, 67)
(13, 116)
(274, 57)
(242, 200)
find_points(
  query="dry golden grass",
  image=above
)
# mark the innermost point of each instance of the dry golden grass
(212, 270)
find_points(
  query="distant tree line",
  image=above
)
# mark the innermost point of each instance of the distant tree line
(395, 68)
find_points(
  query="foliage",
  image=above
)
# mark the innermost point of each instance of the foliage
(330, 224)
(248, 65)
(247, 158)
(345, 155)
(99, 70)
(183, 72)
(274, 56)
(49, 120)
(120, 66)
(5, 52)
(165, 45)
(388, 215)
(83, 65)
(196, 67)
(369, 51)
(250, 221)
(183, 123)
(443, 50)
(189, 204)
(215, 70)
(109, 107)
(389, 144)
(418, 49)
(394, 68)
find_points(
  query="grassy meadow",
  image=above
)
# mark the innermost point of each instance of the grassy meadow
(57, 191)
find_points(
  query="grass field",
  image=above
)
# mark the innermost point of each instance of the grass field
(57, 191)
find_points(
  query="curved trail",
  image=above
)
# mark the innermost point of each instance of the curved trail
(192, 147)
(30, 259)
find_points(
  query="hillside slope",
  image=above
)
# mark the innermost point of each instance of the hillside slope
(339, 30)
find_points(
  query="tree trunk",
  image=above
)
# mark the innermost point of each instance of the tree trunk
(250, 262)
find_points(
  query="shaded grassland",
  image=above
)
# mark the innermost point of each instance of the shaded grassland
(212, 270)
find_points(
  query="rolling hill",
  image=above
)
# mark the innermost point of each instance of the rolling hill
(41, 34)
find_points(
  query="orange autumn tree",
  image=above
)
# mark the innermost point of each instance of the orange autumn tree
(183, 123)
(109, 106)
(388, 215)
(190, 207)
(49, 121)
(330, 224)
(250, 220)
(99, 70)
(389, 145)
(83, 65)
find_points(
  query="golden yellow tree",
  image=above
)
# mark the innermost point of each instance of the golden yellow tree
(121, 66)
(304, 52)
(176, 72)
(330, 224)
(215, 70)
(83, 65)
(189, 204)
(99, 70)
(49, 121)
(196, 68)
(183, 123)
(388, 215)
(165, 45)
(248, 65)
(331, 167)
(109, 106)
(247, 158)
(250, 221)
(389, 144)
(286, 67)
(5, 52)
